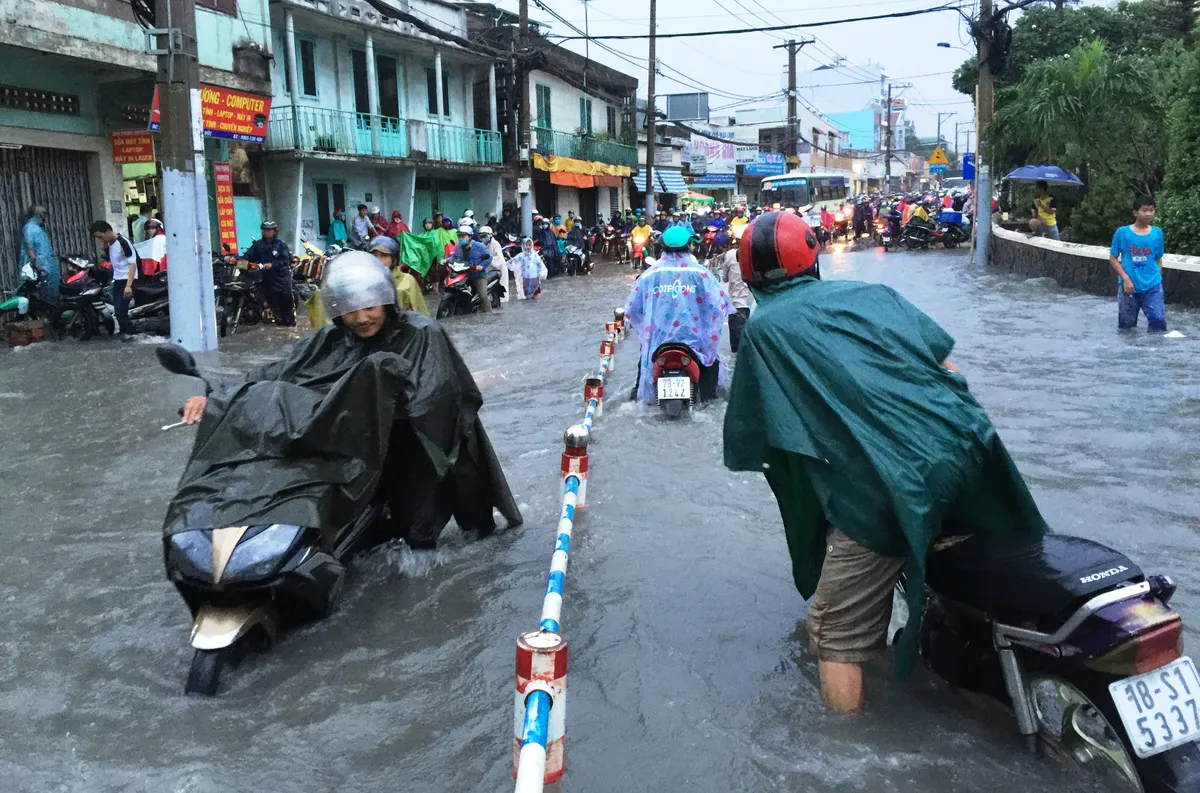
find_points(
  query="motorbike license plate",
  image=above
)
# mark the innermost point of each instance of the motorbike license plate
(674, 388)
(1160, 709)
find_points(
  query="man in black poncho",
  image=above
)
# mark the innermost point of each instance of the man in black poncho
(869, 439)
(379, 400)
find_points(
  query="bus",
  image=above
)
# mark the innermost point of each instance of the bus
(799, 189)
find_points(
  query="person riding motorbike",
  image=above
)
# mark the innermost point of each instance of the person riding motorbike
(869, 438)
(408, 290)
(476, 255)
(273, 254)
(379, 400)
(677, 300)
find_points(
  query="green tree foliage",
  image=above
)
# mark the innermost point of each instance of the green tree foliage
(1179, 203)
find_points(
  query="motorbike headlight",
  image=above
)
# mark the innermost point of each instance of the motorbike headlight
(262, 554)
(190, 555)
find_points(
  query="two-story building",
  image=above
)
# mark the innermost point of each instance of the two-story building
(74, 72)
(397, 113)
(582, 140)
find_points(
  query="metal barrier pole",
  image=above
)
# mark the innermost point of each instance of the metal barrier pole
(540, 705)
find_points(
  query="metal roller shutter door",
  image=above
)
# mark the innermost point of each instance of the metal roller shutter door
(55, 178)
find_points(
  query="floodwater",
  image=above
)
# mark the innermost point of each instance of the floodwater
(689, 670)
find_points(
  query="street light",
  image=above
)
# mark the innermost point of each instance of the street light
(948, 46)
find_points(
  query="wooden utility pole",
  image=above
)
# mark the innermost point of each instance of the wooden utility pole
(185, 190)
(650, 114)
(983, 117)
(525, 180)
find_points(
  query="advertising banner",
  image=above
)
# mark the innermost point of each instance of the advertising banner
(718, 154)
(226, 224)
(745, 155)
(132, 146)
(767, 164)
(233, 115)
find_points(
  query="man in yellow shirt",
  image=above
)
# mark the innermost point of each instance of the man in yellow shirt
(1045, 213)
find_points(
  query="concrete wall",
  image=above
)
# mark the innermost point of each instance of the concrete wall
(1086, 267)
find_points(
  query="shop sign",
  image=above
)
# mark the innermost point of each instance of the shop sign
(766, 164)
(664, 155)
(226, 224)
(233, 115)
(745, 155)
(132, 146)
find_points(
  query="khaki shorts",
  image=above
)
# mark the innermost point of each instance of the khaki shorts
(848, 618)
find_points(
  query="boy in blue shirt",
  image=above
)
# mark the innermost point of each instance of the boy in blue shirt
(1136, 257)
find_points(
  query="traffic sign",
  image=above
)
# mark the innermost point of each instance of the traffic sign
(938, 157)
(969, 167)
(937, 169)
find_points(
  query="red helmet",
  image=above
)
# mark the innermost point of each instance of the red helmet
(776, 246)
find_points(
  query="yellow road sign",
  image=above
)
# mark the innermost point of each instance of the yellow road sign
(938, 157)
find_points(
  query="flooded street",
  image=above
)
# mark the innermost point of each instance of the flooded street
(689, 667)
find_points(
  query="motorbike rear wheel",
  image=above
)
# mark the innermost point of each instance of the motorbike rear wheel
(673, 408)
(204, 675)
(445, 307)
(81, 325)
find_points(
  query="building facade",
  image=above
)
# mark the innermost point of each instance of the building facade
(74, 73)
(386, 113)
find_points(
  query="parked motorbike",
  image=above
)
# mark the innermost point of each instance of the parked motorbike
(577, 261)
(241, 583)
(83, 306)
(919, 235)
(241, 296)
(954, 228)
(27, 303)
(457, 295)
(1082, 645)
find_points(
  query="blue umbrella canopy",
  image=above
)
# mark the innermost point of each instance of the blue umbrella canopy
(1048, 173)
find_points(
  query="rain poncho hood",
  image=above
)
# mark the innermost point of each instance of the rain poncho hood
(676, 300)
(307, 440)
(420, 251)
(841, 400)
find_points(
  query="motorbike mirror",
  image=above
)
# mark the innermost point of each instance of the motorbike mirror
(176, 360)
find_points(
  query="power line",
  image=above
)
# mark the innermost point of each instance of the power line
(824, 23)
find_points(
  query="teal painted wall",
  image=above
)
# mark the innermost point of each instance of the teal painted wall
(37, 70)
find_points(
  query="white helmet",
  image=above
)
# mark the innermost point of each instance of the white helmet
(486, 230)
(356, 280)
(374, 210)
(465, 229)
(469, 214)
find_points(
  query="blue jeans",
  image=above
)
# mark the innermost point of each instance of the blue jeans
(1150, 302)
(121, 307)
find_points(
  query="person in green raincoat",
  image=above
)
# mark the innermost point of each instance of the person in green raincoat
(873, 446)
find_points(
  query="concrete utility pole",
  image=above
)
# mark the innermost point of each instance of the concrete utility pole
(185, 190)
(650, 114)
(983, 117)
(792, 46)
(887, 156)
(939, 139)
(525, 182)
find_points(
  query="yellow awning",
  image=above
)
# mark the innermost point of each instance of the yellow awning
(569, 165)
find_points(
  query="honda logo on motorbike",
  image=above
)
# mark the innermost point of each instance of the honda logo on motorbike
(1087, 579)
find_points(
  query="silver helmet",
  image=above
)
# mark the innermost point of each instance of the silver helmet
(356, 280)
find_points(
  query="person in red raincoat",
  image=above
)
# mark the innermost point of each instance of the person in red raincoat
(397, 226)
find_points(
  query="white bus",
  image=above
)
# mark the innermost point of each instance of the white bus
(823, 190)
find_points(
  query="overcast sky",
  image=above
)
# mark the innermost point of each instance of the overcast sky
(744, 65)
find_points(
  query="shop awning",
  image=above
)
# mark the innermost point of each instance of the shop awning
(667, 180)
(572, 179)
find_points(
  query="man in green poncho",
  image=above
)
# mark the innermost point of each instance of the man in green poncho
(870, 440)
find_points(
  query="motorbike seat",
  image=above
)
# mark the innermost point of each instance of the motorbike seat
(1018, 578)
(149, 291)
(77, 287)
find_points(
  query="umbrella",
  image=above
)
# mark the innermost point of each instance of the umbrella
(1047, 173)
(695, 198)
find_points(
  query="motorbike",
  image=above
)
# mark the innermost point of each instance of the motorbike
(608, 241)
(240, 296)
(83, 306)
(577, 261)
(637, 250)
(713, 242)
(511, 246)
(676, 377)
(28, 303)
(918, 235)
(953, 228)
(624, 247)
(1079, 642)
(242, 583)
(457, 295)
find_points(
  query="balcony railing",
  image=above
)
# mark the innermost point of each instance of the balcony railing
(322, 130)
(583, 147)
